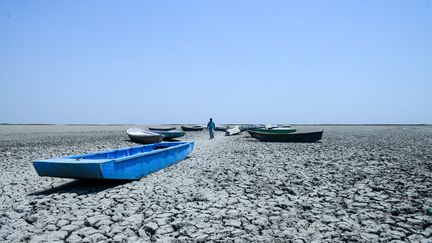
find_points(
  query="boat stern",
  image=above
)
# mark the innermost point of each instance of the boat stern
(69, 168)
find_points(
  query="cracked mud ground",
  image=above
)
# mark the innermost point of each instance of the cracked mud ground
(359, 184)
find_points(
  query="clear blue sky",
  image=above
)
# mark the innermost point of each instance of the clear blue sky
(236, 61)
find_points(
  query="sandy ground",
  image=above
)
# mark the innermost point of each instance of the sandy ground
(367, 184)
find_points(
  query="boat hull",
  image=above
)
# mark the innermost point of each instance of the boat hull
(145, 139)
(161, 128)
(276, 130)
(168, 135)
(306, 137)
(191, 129)
(122, 164)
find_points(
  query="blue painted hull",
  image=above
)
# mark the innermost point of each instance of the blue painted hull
(122, 164)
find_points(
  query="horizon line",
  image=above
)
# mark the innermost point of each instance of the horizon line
(178, 124)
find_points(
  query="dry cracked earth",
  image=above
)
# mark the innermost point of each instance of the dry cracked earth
(367, 184)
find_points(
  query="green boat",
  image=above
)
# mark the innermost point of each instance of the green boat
(283, 130)
(303, 137)
(169, 135)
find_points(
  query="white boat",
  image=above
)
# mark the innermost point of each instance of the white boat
(282, 128)
(232, 131)
(270, 126)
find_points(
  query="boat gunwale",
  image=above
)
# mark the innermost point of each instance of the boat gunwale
(77, 158)
(137, 131)
(161, 128)
(155, 151)
(278, 134)
(171, 131)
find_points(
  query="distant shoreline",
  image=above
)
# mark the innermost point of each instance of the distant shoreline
(344, 124)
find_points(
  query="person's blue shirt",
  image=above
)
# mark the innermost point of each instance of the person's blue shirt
(211, 125)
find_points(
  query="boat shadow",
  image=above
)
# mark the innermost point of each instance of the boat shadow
(172, 140)
(132, 142)
(81, 187)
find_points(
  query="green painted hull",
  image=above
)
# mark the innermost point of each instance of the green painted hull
(304, 137)
(168, 135)
(276, 131)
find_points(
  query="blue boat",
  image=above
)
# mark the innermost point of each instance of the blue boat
(121, 164)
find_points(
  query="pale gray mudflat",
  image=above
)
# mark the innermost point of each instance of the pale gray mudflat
(368, 184)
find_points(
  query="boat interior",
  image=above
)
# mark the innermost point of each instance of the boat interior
(120, 153)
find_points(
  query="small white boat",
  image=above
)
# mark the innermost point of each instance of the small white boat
(282, 128)
(270, 126)
(232, 131)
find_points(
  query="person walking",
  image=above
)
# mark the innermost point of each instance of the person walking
(211, 128)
